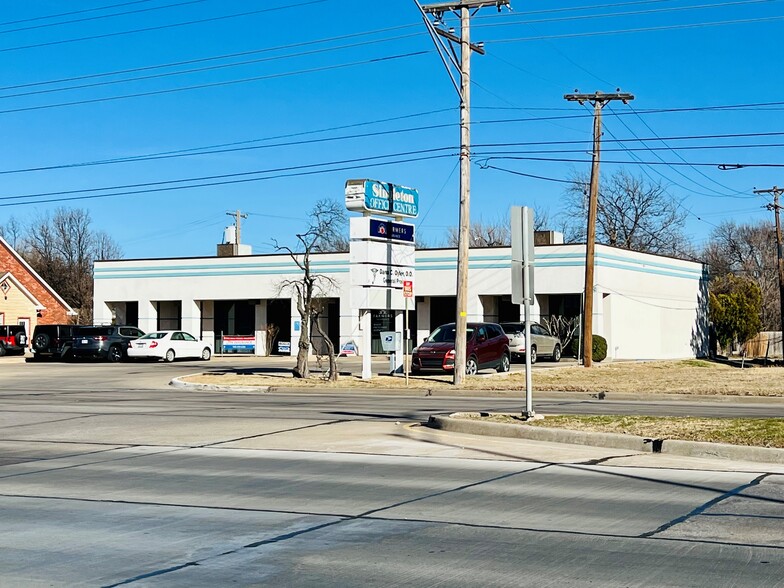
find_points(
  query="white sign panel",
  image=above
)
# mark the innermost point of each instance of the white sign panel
(522, 254)
(380, 275)
(377, 298)
(382, 253)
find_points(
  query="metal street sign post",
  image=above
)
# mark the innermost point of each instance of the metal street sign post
(523, 285)
(408, 293)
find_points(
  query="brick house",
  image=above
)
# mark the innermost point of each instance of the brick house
(25, 298)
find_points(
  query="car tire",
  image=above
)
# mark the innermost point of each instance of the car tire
(505, 364)
(41, 341)
(471, 366)
(2, 350)
(206, 354)
(169, 357)
(533, 354)
(115, 354)
(557, 353)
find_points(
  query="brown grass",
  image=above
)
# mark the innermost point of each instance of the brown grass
(664, 377)
(754, 432)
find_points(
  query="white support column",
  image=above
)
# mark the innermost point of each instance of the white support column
(422, 328)
(148, 316)
(367, 336)
(296, 327)
(191, 317)
(399, 320)
(261, 328)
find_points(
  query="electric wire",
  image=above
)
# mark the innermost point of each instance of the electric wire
(206, 68)
(71, 13)
(162, 27)
(237, 181)
(642, 29)
(103, 16)
(206, 59)
(217, 84)
(231, 175)
(511, 21)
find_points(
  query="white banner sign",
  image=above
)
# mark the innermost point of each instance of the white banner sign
(380, 275)
(382, 253)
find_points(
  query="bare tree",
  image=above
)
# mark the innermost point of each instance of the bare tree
(749, 251)
(12, 231)
(326, 220)
(62, 248)
(496, 233)
(632, 214)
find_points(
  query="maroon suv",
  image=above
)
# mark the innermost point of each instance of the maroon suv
(488, 347)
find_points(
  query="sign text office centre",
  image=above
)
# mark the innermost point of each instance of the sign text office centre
(646, 306)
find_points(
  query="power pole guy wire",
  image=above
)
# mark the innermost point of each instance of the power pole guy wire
(776, 207)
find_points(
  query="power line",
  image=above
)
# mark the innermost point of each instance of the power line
(213, 149)
(243, 145)
(207, 68)
(628, 13)
(83, 11)
(205, 59)
(221, 176)
(103, 16)
(216, 84)
(239, 181)
(161, 27)
(642, 29)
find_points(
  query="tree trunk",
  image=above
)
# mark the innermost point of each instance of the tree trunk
(302, 370)
(333, 364)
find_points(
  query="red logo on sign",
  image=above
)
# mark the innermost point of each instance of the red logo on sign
(408, 289)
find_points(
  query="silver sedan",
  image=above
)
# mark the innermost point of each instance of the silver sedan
(542, 342)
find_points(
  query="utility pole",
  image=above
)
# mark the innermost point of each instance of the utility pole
(464, 9)
(238, 215)
(599, 101)
(775, 207)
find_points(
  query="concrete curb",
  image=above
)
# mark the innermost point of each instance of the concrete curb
(178, 383)
(610, 440)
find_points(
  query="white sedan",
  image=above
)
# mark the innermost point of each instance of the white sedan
(169, 345)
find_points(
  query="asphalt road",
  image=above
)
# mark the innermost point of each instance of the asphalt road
(107, 480)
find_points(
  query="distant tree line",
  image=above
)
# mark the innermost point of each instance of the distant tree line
(62, 247)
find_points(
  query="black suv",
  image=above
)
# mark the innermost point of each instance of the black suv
(13, 339)
(109, 342)
(53, 341)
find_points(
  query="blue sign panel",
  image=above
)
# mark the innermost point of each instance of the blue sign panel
(392, 231)
(382, 197)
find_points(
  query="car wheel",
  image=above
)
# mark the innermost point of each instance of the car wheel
(2, 350)
(169, 357)
(557, 353)
(471, 366)
(41, 341)
(533, 354)
(505, 363)
(115, 354)
(206, 354)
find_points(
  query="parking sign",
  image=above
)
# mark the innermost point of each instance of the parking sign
(408, 289)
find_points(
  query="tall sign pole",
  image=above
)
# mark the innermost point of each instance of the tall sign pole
(523, 285)
(776, 207)
(599, 101)
(463, 8)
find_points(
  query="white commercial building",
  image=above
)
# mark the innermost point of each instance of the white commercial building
(646, 306)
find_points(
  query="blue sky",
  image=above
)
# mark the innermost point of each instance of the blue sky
(378, 76)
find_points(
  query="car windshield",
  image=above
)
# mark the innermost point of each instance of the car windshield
(154, 336)
(513, 327)
(446, 334)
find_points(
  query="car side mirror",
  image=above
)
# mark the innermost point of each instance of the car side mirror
(424, 340)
